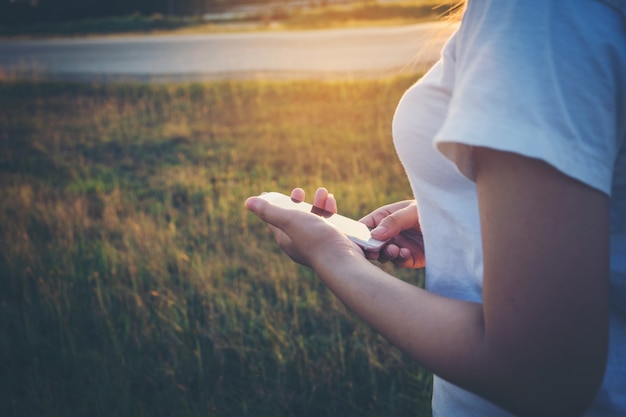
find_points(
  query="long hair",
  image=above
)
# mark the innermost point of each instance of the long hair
(455, 10)
(427, 54)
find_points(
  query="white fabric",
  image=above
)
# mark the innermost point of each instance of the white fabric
(541, 78)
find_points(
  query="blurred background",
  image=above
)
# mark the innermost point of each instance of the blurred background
(132, 280)
(172, 13)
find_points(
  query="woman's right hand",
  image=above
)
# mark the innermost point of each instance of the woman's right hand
(398, 223)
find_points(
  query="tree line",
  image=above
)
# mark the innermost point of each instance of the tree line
(17, 12)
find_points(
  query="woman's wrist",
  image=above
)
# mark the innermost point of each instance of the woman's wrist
(333, 263)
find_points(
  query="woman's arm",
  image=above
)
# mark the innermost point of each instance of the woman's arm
(537, 345)
(545, 290)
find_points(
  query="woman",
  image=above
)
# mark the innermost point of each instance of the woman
(514, 144)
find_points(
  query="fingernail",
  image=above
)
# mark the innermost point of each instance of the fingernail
(380, 231)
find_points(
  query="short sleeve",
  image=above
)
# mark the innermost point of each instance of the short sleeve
(540, 78)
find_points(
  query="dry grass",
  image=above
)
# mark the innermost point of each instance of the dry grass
(135, 283)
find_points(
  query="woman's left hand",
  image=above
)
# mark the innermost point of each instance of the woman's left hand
(305, 237)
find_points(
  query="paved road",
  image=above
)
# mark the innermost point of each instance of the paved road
(300, 54)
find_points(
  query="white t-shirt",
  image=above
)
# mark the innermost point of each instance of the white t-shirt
(541, 78)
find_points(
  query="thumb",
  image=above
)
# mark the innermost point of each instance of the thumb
(395, 223)
(266, 211)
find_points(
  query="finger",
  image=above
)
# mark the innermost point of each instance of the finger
(372, 256)
(369, 220)
(268, 212)
(331, 204)
(388, 253)
(393, 224)
(321, 195)
(404, 254)
(404, 258)
(374, 218)
(298, 194)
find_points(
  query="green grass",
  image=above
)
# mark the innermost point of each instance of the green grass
(134, 283)
(272, 18)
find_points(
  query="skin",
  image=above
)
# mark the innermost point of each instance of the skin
(537, 344)
(400, 223)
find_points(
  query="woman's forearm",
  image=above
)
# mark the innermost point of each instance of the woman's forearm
(408, 316)
(448, 337)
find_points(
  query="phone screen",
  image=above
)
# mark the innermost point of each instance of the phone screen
(356, 231)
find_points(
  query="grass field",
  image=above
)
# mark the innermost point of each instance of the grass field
(134, 283)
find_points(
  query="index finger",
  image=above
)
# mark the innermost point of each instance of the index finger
(372, 219)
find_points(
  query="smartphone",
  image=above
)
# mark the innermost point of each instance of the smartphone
(356, 231)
